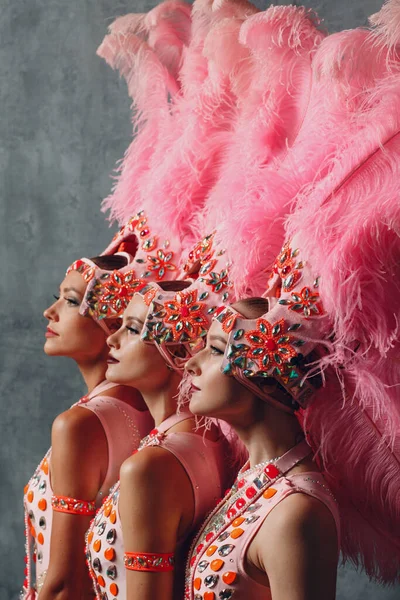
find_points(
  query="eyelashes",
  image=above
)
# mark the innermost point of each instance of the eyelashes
(215, 350)
(70, 301)
(133, 330)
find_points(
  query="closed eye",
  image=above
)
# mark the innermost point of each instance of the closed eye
(215, 350)
(133, 330)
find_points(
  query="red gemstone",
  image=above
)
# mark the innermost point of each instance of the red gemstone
(241, 483)
(192, 561)
(26, 584)
(209, 536)
(26, 572)
(26, 560)
(184, 311)
(144, 232)
(270, 345)
(123, 292)
(286, 270)
(153, 432)
(250, 492)
(199, 548)
(231, 513)
(240, 503)
(271, 471)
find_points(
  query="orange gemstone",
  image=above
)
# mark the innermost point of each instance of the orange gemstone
(90, 537)
(114, 589)
(109, 554)
(97, 545)
(100, 581)
(217, 564)
(40, 538)
(33, 532)
(229, 577)
(269, 493)
(26, 488)
(30, 496)
(209, 596)
(237, 533)
(45, 466)
(197, 583)
(238, 521)
(113, 517)
(210, 551)
(42, 504)
(107, 510)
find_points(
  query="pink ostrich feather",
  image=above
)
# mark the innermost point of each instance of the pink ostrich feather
(147, 50)
(349, 221)
(272, 99)
(185, 166)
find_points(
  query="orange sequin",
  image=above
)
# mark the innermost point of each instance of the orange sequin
(238, 521)
(269, 493)
(107, 509)
(26, 488)
(209, 596)
(100, 581)
(113, 517)
(229, 577)
(216, 564)
(90, 537)
(97, 545)
(237, 533)
(210, 551)
(114, 589)
(109, 554)
(197, 583)
(45, 466)
(40, 538)
(30, 496)
(42, 504)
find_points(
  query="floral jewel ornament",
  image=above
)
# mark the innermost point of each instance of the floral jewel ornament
(277, 344)
(184, 317)
(109, 292)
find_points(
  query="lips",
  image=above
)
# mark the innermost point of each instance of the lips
(194, 388)
(111, 360)
(50, 333)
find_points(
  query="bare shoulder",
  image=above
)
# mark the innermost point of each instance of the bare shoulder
(77, 426)
(150, 465)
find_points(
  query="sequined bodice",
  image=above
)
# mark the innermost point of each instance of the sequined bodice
(215, 569)
(204, 464)
(124, 426)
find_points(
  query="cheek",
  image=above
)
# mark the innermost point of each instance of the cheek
(136, 360)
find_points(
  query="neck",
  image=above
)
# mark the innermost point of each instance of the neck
(93, 374)
(268, 433)
(163, 403)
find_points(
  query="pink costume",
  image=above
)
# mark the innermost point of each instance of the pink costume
(124, 427)
(203, 461)
(217, 560)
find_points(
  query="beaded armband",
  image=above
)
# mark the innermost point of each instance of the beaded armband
(149, 561)
(73, 506)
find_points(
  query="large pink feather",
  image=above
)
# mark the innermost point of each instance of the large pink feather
(147, 50)
(349, 222)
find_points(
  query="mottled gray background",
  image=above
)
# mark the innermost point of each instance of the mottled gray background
(64, 122)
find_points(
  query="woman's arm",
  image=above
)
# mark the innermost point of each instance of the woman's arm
(156, 504)
(297, 548)
(79, 462)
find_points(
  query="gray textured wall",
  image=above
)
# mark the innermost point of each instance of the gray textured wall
(64, 122)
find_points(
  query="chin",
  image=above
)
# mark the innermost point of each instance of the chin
(196, 406)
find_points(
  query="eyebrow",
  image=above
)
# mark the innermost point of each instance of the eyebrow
(130, 319)
(218, 338)
(71, 289)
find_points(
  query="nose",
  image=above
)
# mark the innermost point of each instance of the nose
(51, 313)
(113, 339)
(192, 366)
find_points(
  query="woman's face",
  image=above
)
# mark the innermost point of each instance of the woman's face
(69, 333)
(132, 361)
(214, 394)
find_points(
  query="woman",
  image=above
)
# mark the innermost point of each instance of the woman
(137, 543)
(91, 440)
(280, 511)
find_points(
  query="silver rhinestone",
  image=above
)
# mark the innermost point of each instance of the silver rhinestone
(224, 536)
(43, 486)
(111, 536)
(97, 564)
(202, 566)
(101, 528)
(211, 581)
(226, 549)
(112, 572)
(42, 522)
(40, 556)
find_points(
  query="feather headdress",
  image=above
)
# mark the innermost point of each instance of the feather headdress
(349, 222)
